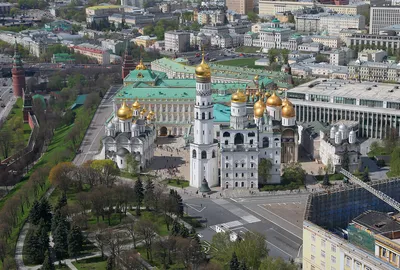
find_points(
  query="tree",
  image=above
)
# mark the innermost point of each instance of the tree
(285, 55)
(75, 242)
(176, 203)
(325, 182)
(147, 231)
(345, 159)
(3, 250)
(390, 51)
(252, 16)
(48, 263)
(60, 175)
(110, 263)
(234, 263)
(33, 249)
(60, 239)
(365, 175)
(293, 172)
(132, 165)
(5, 142)
(149, 196)
(139, 195)
(320, 58)
(108, 171)
(277, 264)
(264, 168)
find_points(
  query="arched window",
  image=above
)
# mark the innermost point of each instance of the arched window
(251, 142)
(203, 154)
(239, 138)
(203, 116)
(209, 115)
(197, 115)
(213, 153)
(251, 134)
(226, 134)
(265, 142)
(194, 154)
(226, 142)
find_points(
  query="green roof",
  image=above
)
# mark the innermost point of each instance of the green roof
(222, 113)
(275, 20)
(79, 101)
(41, 98)
(181, 60)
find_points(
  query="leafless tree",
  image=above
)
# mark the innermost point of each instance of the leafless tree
(130, 260)
(146, 231)
(6, 141)
(129, 226)
(114, 241)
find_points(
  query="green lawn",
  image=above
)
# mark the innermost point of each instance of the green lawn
(175, 183)
(127, 175)
(95, 263)
(246, 49)
(156, 219)
(241, 62)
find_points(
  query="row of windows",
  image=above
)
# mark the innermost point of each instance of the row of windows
(343, 100)
(252, 165)
(203, 116)
(239, 175)
(319, 98)
(203, 154)
(371, 103)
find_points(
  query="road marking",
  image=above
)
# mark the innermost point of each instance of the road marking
(272, 221)
(190, 205)
(280, 217)
(290, 255)
(284, 236)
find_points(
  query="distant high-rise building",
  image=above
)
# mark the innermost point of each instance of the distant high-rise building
(383, 14)
(240, 6)
(18, 74)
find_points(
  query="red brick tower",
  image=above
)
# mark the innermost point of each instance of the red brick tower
(128, 63)
(18, 74)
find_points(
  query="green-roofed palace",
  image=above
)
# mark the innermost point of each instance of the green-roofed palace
(171, 96)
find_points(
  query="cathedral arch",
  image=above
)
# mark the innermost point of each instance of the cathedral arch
(239, 138)
(209, 115)
(226, 134)
(194, 154)
(203, 154)
(163, 131)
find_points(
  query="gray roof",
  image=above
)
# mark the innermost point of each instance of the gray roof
(122, 152)
(377, 222)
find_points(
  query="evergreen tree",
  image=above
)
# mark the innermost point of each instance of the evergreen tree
(48, 263)
(176, 228)
(243, 266)
(139, 195)
(57, 218)
(234, 263)
(34, 215)
(365, 176)
(177, 199)
(43, 237)
(75, 242)
(345, 159)
(325, 182)
(149, 194)
(34, 252)
(184, 232)
(45, 212)
(110, 263)
(60, 239)
(62, 201)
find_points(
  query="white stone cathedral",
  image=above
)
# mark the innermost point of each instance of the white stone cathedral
(130, 131)
(271, 135)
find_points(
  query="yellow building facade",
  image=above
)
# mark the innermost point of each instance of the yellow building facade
(323, 250)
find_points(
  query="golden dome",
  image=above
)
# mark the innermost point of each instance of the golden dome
(248, 92)
(274, 100)
(285, 102)
(256, 77)
(259, 112)
(267, 94)
(136, 105)
(203, 71)
(259, 104)
(288, 111)
(258, 94)
(141, 66)
(150, 116)
(238, 97)
(124, 112)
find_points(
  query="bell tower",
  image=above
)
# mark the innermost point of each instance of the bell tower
(203, 150)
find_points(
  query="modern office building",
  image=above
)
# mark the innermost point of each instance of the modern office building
(177, 41)
(240, 6)
(336, 22)
(375, 106)
(383, 16)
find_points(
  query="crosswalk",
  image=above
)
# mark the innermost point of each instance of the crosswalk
(244, 216)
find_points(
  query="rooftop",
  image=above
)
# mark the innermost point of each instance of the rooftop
(350, 89)
(103, 7)
(377, 222)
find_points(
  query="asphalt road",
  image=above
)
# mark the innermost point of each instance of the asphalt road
(91, 143)
(279, 218)
(6, 97)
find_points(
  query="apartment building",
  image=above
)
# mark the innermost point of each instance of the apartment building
(336, 22)
(387, 41)
(101, 12)
(330, 41)
(240, 6)
(96, 52)
(373, 71)
(177, 41)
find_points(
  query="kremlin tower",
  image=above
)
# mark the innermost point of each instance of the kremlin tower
(18, 74)
(128, 63)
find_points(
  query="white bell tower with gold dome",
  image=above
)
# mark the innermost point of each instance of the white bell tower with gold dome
(203, 150)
